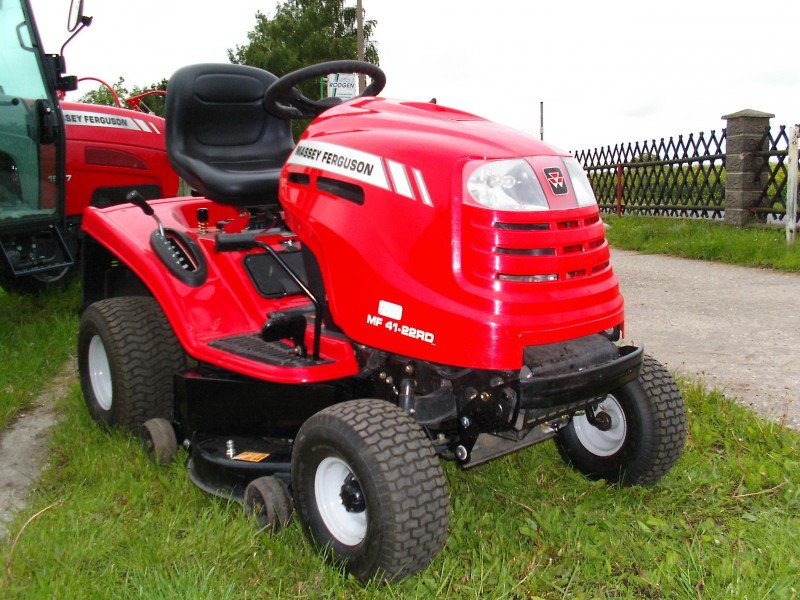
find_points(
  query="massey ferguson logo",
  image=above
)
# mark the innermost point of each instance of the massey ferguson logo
(556, 180)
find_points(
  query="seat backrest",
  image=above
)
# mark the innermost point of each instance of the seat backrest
(219, 137)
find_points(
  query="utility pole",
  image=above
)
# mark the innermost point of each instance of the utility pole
(362, 83)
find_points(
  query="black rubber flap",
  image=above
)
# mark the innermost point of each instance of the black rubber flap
(569, 357)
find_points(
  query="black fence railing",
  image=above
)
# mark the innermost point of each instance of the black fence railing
(683, 177)
(773, 175)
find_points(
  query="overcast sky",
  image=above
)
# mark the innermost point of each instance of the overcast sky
(607, 72)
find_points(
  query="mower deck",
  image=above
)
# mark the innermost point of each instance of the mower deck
(224, 465)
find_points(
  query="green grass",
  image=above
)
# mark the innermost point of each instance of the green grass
(37, 335)
(706, 240)
(725, 522)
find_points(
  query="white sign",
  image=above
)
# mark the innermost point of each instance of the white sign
(342, 85)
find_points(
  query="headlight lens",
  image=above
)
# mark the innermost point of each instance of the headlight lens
(507, 185)
(580, 183)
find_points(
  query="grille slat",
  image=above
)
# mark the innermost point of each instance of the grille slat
(557, 250)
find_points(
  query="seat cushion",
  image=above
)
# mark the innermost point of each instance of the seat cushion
(219, 137)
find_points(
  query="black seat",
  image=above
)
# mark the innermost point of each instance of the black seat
(219, 137)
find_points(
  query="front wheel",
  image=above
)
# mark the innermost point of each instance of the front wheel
(634, 435)
(369, 489)
(268, 501)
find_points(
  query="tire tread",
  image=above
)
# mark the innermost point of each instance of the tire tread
(393, 443)
(670, 417)
(144, 354)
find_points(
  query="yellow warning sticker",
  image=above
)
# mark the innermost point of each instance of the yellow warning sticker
(252, 456)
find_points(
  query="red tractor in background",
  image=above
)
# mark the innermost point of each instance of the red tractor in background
(57, 158)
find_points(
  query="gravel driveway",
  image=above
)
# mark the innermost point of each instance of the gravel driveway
(736, 328)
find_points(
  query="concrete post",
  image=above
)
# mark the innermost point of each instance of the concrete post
(745, 130)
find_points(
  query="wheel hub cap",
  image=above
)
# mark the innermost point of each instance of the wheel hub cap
(352, 496)
(608, 439)
(340, 501)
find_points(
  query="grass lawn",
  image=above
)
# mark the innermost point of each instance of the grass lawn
(106, 523)
(38, 335)
(725, 522)
(706, 240)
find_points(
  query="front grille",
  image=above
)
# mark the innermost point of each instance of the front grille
(538, 251)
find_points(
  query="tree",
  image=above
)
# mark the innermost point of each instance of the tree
(153, 103)
(302, 33)
(102, 95)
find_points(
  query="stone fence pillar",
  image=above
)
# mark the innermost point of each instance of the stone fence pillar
(743, 186)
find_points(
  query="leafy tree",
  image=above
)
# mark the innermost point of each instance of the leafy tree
(153, 103)
(102, 95)
(302, 33)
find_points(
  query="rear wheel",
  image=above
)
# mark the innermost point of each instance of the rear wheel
(127, 355)
(369, 489)
(634, 435)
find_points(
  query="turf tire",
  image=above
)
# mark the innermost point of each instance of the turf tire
(402, 484)
(143, 355)
(655, 422)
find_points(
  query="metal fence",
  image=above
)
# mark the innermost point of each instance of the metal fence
(773, 174)
(683, 177)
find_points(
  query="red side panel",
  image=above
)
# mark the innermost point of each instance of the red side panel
(110, 149)
(226, 305)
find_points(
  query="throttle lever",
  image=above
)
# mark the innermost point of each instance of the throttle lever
(135, 197)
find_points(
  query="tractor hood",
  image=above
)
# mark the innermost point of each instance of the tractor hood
(112, 151)
(435, 228)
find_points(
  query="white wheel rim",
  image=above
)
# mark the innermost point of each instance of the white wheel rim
(349, 528)
(597, 441)
(100, 373)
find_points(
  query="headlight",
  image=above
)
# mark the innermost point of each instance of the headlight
(580, 183)
(506, 185)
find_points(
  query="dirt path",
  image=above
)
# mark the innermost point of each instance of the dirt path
(734, 327)
(23, 446)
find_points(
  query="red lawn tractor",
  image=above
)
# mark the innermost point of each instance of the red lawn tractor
(57, 158)
(407, 283)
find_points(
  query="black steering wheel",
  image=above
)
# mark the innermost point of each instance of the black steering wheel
(283, 100)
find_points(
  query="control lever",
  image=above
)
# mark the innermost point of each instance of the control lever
(176, 250)
(135, 197)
